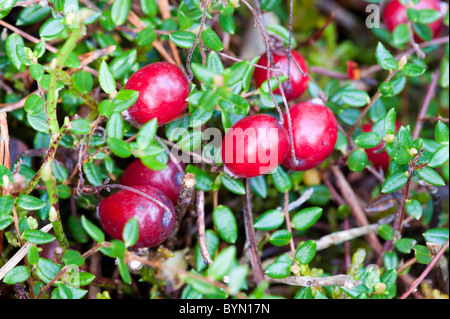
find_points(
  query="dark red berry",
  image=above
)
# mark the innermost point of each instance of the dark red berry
(163, 90)
(155, 222)
(296, 85)
(254, 146)
(168, 180)
(395, 13)
(315, 131)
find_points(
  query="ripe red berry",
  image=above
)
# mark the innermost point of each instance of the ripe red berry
(378, 157)
(395, 13)
(155, 222)
(254, 146)
(168, 180)
(163, 90)
(315, 131)
(296, 85)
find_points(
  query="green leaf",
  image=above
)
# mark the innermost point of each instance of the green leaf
(6, 205)
(130, 232)
(389, 122)
(259, 185)
(125, 99)
(34, 104)
(225, 223)
(223, 263)
(439, 157)
(281, 32)
(119, 147)
(83, 81)
(78, 279)
(404, 138)
(404, 245)
(106, 108)
(427, 16)
(73, 257)
(16, 275)
(385, 58)
(414, 208)
(304, 293)
(203, 181)
(441, 133)
(32, 14)
(5, 221)
(47, 270)
(234, 104)
(386, 232)
(80, 126)
(36, 236)
(413, 70)
(270, 5)
(153, 163)
(227, 23)
(436, 235)
(212, 40)
(29, 202)
(212, 243)
(122, 64)
(278, 270)
(10, 45)
(422, 254)
(368, 140)
(93, 173)
(33, 255)
(306, 217)
(37, 71)
(431, 176)
(356, 98)
(400, 35)
(146, 36)
(281, 180)
(183, 39)
(147, 133)
(305, 252)
(106, 79)
(119, 11)
(123, 270)
(114, 126)
(358, 160)
(235, 186)
(394, 182)
(52, 28)
(92, 230)
(269, 220)
(280, 237)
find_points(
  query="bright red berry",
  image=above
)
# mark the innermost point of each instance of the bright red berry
(377, 155)
(163, 90)
(296, 85)
(395, 13)
(168, 180)
(155, 222)
(254, 146)
(315, 131)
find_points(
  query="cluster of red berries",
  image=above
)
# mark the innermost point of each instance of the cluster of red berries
(254, 146)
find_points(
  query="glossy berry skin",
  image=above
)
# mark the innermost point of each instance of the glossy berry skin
(254, 146)
(379, 159)
(293, 87)
(395, 14)
(155, 223)
(168, 180)
(315, 131)
(163, 90)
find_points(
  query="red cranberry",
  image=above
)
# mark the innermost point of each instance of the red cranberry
(163, 90)
(315, 131)
(254, 146)
(155, 222)
(168, 180)
(293, 87)
(379, 159)
(395, 13)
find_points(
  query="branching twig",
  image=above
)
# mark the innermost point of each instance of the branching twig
(338, 280)
(250, 235)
